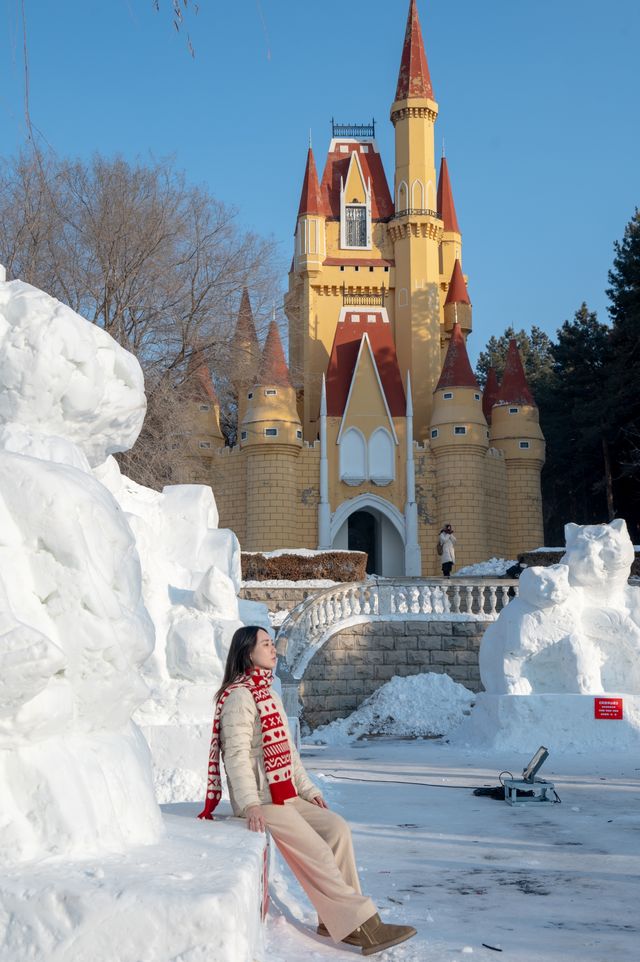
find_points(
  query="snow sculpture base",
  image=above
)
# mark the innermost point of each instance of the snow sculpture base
(563, 723)
(196, 896)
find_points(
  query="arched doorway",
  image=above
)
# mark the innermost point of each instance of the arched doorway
(362, 535)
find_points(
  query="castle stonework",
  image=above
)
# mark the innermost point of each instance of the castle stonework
(376, 433)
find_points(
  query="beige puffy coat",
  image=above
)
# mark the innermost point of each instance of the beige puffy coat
(241, 747)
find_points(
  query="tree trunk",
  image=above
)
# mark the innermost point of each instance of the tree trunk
(608, 481)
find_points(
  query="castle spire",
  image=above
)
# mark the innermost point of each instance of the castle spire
(491, 393)
(413, 77)
(514, 388)
(273, 366)
(457, 370)
(310, 197)
(245, 336)
(446, 208)
(457, 293)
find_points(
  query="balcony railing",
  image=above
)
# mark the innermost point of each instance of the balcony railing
(415, 212)
(363, 300)
(364, 131)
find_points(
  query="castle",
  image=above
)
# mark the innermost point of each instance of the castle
(376, 433)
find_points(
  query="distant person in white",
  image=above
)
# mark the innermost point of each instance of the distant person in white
(447, 540)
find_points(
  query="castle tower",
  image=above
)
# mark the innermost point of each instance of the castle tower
(457, 306)
(515, 430)
(416, 229)
(245, 354)
(309, 254)
(451, 244)
(490, 394)
(202, 409)
(459, 442)
(271, 434)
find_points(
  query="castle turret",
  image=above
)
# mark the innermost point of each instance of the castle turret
(202, 434)
(490, 394)
(451, 244)
(416, 229)
(515, 430)
(457, 306)
(272, 434)
(458, 439)
(245, 355)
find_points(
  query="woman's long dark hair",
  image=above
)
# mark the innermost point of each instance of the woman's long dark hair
(239, 658)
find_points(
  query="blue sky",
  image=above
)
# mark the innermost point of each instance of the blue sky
(538, 108)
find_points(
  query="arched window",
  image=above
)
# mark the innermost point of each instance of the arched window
(353, 457)
(381, 457)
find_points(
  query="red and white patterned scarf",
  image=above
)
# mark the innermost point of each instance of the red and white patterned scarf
(275, 745)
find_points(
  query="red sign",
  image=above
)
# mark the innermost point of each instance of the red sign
(607, 708)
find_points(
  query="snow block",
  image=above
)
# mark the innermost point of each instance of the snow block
(562, 723)
(197, 896)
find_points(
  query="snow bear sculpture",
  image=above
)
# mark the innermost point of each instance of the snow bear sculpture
(75, 772)
(574, 627)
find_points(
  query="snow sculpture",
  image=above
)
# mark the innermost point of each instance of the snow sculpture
(572, 633)
(574, 626)
(75, 773)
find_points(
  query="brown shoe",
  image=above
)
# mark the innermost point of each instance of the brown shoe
(374, 935)
(349, 939)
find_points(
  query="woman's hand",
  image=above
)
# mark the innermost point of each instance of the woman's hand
(319, 801)
(255, 819)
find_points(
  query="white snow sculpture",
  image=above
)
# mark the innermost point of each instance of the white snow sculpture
(64, 377)
(572, 634)
(574, 626)
(75, 773)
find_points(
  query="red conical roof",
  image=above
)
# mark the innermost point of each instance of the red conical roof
(310, 198)
(491, 393)
(198, 381)
(514, 388)
(456, 370)
(245, 326)
(446, 208)
(273, 367)
(413, 78)
(457, 293)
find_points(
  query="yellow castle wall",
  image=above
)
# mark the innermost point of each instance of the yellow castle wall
(524, 529)
(229, 483)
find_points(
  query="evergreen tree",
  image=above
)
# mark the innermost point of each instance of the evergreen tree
(622, 394)
(535, 351)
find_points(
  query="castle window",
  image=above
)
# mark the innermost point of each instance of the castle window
(299, 435)
(524, 444)
(459, 429)
(205, 407)
(243, 435)
(477, 397)
(270, 392)
(434, 432)
(344, 149)
(371, 270)
(513, 410)
(356, 225)
(447, 396)
(364, 149)
(386, 270)
(250, 396)
(356, 268)
(353, 457)
(342, 267)
(371, 318)
(381, 457)
(204, 444)
(271, 432)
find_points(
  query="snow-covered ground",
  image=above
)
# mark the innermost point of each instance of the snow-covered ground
(494, 567)
(558, 883)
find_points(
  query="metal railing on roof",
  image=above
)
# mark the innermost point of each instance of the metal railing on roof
(367, 131)
(415, 212)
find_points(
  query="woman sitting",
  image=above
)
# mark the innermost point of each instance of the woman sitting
(269, 787)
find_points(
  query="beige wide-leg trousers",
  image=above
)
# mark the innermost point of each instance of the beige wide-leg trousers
(316, 844)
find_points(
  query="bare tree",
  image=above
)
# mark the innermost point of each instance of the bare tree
(159, 264)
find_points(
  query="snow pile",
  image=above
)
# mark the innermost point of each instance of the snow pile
(65, 378)
(284, 583)
(428, 705)
(190, 579)
(494, 567)
(572, 633)
(75, 773)
(301, 552)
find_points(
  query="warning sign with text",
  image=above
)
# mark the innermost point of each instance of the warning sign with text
(607, 707)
